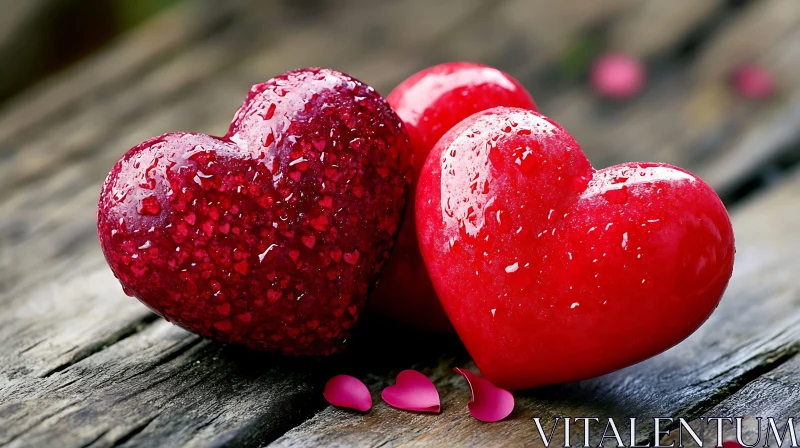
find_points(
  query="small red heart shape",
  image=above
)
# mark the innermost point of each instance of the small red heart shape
(552, 271)
(412, 391)
(349, 392)
(488, 403)
(272, 235)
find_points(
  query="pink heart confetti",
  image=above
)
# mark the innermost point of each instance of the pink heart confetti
(348, 392)
(753, 81)
(413, 391)
(618, 75)
(489, 403)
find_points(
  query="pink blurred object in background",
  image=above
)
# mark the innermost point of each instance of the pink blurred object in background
(753, 81)
(617, 75)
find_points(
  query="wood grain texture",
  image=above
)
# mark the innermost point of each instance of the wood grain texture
(774, 394)
(157, 386)
(756, 327)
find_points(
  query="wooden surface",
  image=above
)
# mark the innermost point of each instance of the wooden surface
(81, 364)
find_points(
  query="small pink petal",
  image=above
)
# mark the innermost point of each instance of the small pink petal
(489, 403)
(753, 81)
(413, 391)
(617, 75)
(731, 444)
(348, 392)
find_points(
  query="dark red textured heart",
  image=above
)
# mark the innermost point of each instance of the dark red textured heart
(552, 271)
(271, 235)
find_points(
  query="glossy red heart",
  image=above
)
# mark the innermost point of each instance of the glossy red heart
(412, 391)
(271, 235)
(552, 271)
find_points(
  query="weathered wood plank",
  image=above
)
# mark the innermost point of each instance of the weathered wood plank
(108, 371)
(650, 28)
(159, 387)
(774, 394)
(770, 20)
(756, 327)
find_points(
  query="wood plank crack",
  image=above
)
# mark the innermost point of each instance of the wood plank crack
(128, 330)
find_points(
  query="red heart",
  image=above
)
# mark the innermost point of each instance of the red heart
(413, 391)
(552, 271)
(430, 102)
(240, 238)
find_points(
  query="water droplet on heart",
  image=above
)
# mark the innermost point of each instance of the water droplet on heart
(654, 223)
(503, 220)
(496, 157)
(270, 111)
(617, 196)
(270, 139)
(579, 183)
(619, 180)
(525, 156)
